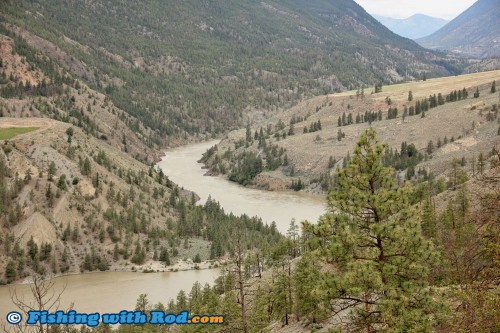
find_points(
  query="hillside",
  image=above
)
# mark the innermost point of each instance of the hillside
(61, 185)
(309, 141)
(184, 68)
(31, 85)
(413, 27)
(474, 33)
(71, 203)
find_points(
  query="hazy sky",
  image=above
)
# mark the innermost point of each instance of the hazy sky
(447, 9)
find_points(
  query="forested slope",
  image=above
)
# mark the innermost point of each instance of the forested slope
(189, 67)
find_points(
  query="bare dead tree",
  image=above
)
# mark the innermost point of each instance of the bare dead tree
(241, 282)
(43, 297)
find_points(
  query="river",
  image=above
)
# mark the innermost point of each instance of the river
(112, 291)
(181, 166)
(115, 291)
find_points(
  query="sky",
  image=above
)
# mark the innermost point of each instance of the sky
(446, 9)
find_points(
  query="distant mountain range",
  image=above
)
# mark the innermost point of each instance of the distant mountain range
(474, 33)
(416, 26)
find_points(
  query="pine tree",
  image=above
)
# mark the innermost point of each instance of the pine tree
(373, 238)
(307, 296)
(52, 171)
(164, 257)
(248, 136)
(10, 271)
(339, 135)
(331, 162)
(430, 147)
(86, 168)
(61, 183)
(481, 163)
(259, 317)
(195, 298)
(281, 297)
(476, 94)
(49, 195)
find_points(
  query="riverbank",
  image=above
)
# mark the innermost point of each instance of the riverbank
(149, 267)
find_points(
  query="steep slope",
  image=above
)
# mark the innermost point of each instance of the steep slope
(474, 33)
(184, 68)
(31, 85)
(413, 27)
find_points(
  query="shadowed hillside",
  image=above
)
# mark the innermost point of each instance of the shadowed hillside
(475, 32)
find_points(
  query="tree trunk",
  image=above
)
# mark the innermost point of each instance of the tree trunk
(241, 282)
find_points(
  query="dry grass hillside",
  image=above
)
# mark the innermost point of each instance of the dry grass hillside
(470, 123)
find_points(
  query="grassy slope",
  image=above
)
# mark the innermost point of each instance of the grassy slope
(10, 132)
(455, 119)
(423, 89)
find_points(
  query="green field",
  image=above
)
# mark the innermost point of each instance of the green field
(9, 133)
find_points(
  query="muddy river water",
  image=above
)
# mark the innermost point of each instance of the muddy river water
(181, 166)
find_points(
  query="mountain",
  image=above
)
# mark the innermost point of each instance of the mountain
(186, 68)
(413, 27)
(474, 33)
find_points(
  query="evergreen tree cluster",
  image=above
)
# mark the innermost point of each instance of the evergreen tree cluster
(242, 167)
(313, 127)
(367, 117)
(457, 95)
(297, 185)
(249, 165)
(13, 87)
(10, 187)
(93, 261)
(407, 158)
(297, 119)
(392, 113)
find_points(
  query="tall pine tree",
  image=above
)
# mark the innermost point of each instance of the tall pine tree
(373, 241)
